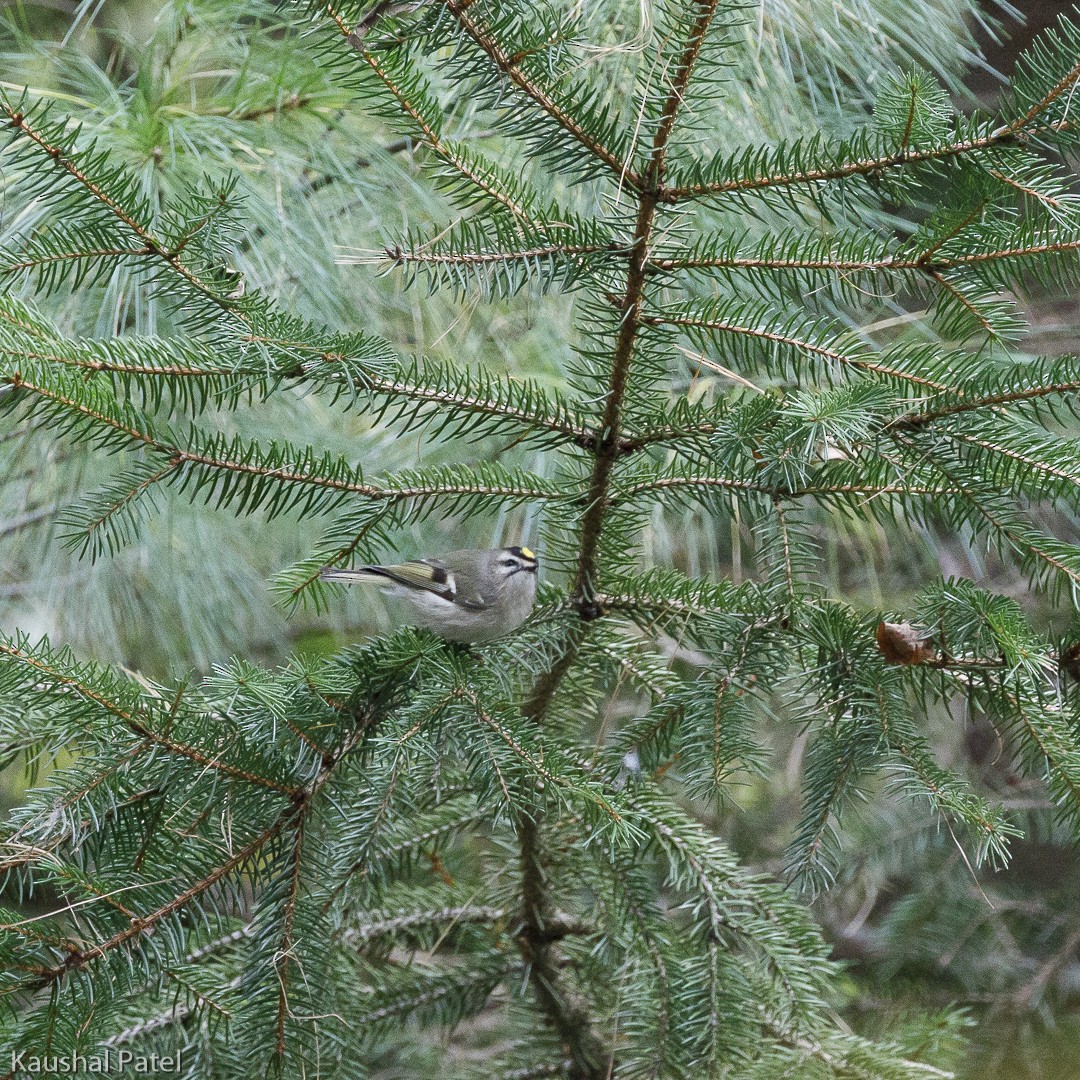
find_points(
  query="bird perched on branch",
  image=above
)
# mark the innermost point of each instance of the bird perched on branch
(464, 596)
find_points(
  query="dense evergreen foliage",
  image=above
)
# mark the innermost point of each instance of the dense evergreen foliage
(323, 868)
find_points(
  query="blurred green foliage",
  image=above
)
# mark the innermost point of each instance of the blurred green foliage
(186, 94)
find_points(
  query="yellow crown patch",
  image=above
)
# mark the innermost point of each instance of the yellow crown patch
(526, 553)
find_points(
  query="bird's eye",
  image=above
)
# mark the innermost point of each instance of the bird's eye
(508, 563)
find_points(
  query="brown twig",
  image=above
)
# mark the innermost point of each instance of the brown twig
(132, 720)
(153, 246)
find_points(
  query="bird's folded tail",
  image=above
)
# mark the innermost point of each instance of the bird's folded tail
(418, 575)
(370, 574)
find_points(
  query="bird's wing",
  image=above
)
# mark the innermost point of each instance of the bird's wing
(419, 574)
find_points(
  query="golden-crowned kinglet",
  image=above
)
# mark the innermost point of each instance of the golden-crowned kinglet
(464, 596)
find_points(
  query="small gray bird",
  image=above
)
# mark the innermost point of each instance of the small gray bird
(465, 596)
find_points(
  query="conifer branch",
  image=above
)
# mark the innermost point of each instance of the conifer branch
(422, 391)
(632, 443)
(415, 1000)
(951, 290)
(918, 760)
(993, 402)
(574, 432)
(775, 337)
(1056, 750)
(925, 257)
(697, 861)
(241, 933)
(1012, 534)
(369, 491)
(19, 121)
(128, 497)
(27, 327)
(1025, 544)
(971, 258)
(661, 483)
(813, 836)
(509, 66)
(380, 817)
(695, 963)
(1003, 135)
(78, 957)
(289, 817)
(567, 1014)
(17, 382)
(1064, 84)
(131, 719)
(76, 256)
(836, 1061)
(178, 1014)
(683, 73)
(1045, 467)
(34, 852)
(757, 262)
(925, 262)
(577, 433)
(178, 457)
(607, 449)
(400, 256)
(428, 130)
(119, 367)
(1026, 190)
(535, 763)
(371, 381)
